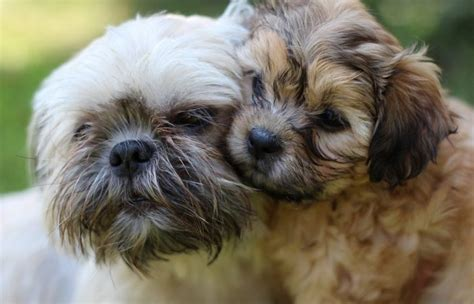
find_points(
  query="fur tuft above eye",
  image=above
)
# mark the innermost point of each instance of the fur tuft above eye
(331, 121)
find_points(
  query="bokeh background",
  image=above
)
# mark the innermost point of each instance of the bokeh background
(38, 35)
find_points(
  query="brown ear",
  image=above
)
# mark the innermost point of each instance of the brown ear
(411, 121)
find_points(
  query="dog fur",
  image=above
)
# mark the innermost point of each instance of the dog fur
(33, 271)
(373, 180)
(172, 82)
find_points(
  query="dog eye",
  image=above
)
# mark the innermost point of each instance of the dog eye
(331, 121)
(195, 119)
(81, 131)
(257, 86)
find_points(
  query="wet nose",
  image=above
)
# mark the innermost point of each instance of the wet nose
(262, 143)
(127, 158)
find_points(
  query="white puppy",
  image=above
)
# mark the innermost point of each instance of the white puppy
(127, 138)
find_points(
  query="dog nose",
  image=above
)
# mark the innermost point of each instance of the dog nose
(262, 142)
(128, 157)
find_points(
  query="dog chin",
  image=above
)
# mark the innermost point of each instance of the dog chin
(281, 191)
(140, 235)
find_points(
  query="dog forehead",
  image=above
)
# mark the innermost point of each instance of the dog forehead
(164, 58)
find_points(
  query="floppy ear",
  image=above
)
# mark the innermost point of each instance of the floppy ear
(411, 120)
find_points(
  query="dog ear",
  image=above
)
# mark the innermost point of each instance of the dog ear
(411, 119)
(239, 11)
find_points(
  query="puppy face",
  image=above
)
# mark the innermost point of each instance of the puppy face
(335, 101)
(127, 136)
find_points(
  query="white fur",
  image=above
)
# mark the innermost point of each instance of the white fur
(33, 271)
(163, 59)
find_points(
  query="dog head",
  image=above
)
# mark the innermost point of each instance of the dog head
(335, 100)
(127, 139)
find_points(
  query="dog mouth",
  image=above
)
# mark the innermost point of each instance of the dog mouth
(138, 204)
(276, 192)
(261, 167)
(259, 174)
(136, 198)
(260, 178)
(264, 166)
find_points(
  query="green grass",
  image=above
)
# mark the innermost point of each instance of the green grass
(188, 7)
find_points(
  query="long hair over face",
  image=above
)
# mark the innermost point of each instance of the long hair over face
(186, 199)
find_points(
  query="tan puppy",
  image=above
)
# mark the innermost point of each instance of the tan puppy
(344, 123)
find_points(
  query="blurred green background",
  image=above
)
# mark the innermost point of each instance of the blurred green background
(38, 35)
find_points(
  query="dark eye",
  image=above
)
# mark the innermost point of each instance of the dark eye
(195, 119)
(331, 120)
(81, 131)
(257, 86)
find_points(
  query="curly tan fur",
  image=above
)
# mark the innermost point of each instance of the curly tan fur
(372, 245)
(359, 120)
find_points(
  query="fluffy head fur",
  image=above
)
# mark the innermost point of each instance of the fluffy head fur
(342, 97)
(173, 82)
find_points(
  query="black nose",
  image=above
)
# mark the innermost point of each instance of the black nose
(262, 143)
(129, 157)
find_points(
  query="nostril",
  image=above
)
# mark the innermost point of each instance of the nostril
(252, 140)
(262, 142)
(115, 159)
(142, 155)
